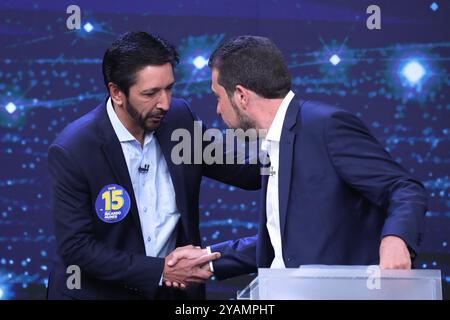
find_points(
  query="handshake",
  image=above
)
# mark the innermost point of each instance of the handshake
(187, 265)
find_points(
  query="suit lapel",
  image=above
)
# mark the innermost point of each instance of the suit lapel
(263, 245)
(113, 153)
(287, 141)
(264, 182)
(163, 135)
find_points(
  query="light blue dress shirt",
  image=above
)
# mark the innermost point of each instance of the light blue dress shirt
(154, 192)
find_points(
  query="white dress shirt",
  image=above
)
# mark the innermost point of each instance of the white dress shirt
(271, 144)
(154, 192)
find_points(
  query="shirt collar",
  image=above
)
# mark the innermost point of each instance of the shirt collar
(122, 133)
(274, 132)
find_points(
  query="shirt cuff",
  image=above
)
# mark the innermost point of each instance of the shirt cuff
(208, 250)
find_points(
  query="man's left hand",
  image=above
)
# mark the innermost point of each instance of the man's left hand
(394, 254)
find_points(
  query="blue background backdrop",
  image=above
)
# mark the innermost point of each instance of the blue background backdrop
(396, 79)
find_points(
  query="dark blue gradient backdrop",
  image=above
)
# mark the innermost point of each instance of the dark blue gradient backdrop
(396, 79)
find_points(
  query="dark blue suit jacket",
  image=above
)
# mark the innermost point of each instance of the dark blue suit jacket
(340, 192)
(85, 157)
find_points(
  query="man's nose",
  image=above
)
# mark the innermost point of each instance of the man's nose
(163, 106)
(164, 102)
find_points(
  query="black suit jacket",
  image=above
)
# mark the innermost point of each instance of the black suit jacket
(85, 157)
(340, 193)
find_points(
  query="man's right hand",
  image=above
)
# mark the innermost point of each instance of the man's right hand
(187, 264)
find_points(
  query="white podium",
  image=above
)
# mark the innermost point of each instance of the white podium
(343, 283)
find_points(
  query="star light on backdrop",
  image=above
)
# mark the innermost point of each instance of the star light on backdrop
(335, 59)
(88, 27)
(413, 71)
(5, 289)
(416, 74)
(434, 6)
(200, 62)
(193, 76)
(10, 107)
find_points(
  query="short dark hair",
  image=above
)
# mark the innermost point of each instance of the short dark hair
(253, 62)
(131, 52)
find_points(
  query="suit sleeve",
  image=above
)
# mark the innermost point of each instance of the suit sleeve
(238, 257)
(245, 175)
(76, 243)
(244, 172)
(363, 163)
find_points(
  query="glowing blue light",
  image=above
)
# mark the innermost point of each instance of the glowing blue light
(335, 59)
(200, 62)
(10, 107)
(413, 72)
(434, 6)
(88, 27)
(1, 293)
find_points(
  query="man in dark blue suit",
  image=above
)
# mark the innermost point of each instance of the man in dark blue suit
(332, 195)
(120, 204)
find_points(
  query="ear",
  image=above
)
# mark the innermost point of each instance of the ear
(117, 96)
(242, 96)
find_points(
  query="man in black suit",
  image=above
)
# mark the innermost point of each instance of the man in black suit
(120, 203)
(333, 195)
